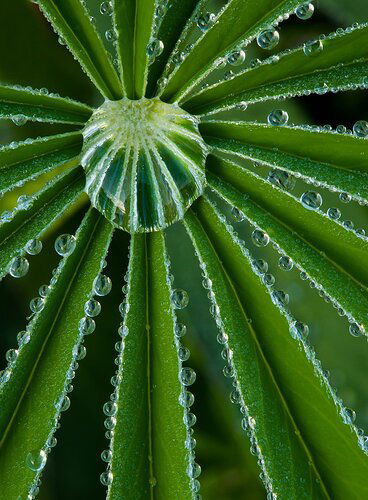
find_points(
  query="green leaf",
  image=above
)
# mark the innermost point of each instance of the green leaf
(47, 206)
(261, 209)
(26, 103)
(29, 159)
(169, 33)
(338, 161)
(134, 22)
(237, 24)
(70, 20)
(296, 424)
(149, 416)
(30, 399)
(341, 65)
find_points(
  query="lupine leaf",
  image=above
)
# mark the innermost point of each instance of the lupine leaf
(238, 22)
(70, 19)
(169, 33)
(341, 65)
(337, 161)
(37, 106)
(47, 206)
(267, 358)
(134, 24)
(349, 292)
(29, 159)
(149, 415)
(29, 400)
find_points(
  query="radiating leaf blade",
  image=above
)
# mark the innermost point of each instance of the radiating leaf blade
(30, 159)
(48, 205)
(70, 20)
(337, 161)
(238, 22)
(149, 415)
(341, 65)
(134, 21)
(35, 105)
(29, 405)
(298, 384)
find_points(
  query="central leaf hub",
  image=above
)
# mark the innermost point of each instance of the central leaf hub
(144, 162)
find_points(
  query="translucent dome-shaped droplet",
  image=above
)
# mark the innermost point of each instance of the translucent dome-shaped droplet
(260, 266)
(106, 8)
(355, 330)
(281, 178)
(36, 460)
(92, 308)
(155, 48)
(305, 11)
(278, 117)
(313, 48)
(268, 39)
(299, 329)
(334, 213)
(106, 478)
(65, 244)
(345, 197)
(144, 163)
(87, 326)
(311, 200)
(19, 267)
(360, 128)
(110, 409)
(106, 456)
(19, 120)
(286, 263)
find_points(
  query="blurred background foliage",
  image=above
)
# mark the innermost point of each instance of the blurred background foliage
(31, 55)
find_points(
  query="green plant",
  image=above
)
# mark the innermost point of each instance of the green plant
(148, 162)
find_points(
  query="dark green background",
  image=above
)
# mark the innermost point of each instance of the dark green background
(31, 55)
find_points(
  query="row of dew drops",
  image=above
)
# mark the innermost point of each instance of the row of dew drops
(311, 200)
(248, 422)
(187, 376)
(298, 330)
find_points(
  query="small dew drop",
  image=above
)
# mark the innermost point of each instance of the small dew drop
(355, 330)
(34, 247)
(334, 213)
(155, 48)
(36, 460)
(311, 200)
(260, 266)
(260, 238)
(106, 8)
(19, 120)
(65, 244)
(110, 409)
(236, 57)
(187, 376)
(285, 263)
(37, 304)
(19, 267)
(205, 21)
(87, 326)
(106, 478)
(106, 456)
(268, 39)
(305, 11)
(92, 308)
(299, 329)
(360, 128)
(278, 118)
(345, 197)
(313, 48)
(180, 298)
(102, 285)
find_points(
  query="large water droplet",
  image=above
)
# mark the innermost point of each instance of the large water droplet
(155, 49)
(92, 308)
(34, 247)
(260, 238)
(144, 162)
(102, 285)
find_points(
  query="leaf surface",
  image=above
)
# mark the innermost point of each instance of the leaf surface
(149, 415)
